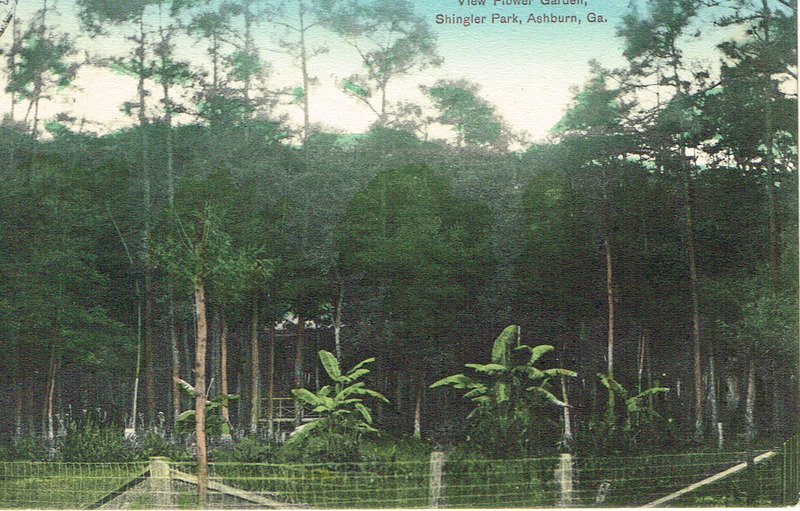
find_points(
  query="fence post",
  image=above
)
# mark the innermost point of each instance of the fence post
(564, 475)
(161, 483)
(436, 492)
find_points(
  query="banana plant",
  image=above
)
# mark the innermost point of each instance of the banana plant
(633, 404)
(215, 424)
(641, 422)
(340, 405)
(503, 379)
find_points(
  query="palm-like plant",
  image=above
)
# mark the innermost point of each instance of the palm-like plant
(503, 390)
(215, 423)
(637, 413)
(503, 378)
(340, 406)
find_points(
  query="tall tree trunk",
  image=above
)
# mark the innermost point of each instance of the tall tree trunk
(249, 49)
(149, 349)
(304, 70)
(149, 354)
(271, 380)
(566, 437)
(255, 369)
(750, 402)
(51, 386)
(223, 375)
(695, 302)
(610, 298)
(732, 396)
(418, 406)
(131, 431)
(200, 391)
(298, 366)
(712, 400)
(774, 225)
(18, 388)
(777, 409)
(337, 317)
(176, 361)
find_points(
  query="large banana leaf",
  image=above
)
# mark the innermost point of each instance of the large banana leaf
(458, 381)
(558, 371)
(330, 364)
(373, 393)
(347, 391)
(612, 385)
(548, 396)
(504, 342)
(306, 396)
(487, 368)
(183, 384)
(362, 363)
(364, 413)
(538, 351)
(634, 404)
(354, 375)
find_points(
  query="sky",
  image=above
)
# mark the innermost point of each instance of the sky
(526, 70)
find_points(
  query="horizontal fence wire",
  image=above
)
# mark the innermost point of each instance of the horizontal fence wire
(518, 483)
(333, 485)
(637, 480)
(628, 481)
(51, 485)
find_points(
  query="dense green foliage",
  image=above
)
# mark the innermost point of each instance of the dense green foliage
(647, 242)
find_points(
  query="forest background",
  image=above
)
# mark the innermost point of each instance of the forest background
(651, 238)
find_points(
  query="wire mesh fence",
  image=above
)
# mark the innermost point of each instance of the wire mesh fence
(684, 480)
(48, 485)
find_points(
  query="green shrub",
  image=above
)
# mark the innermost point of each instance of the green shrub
(154, 445)
(93, 443)
(386, 448)
(25, 448)
(330, 446)
(249, 449)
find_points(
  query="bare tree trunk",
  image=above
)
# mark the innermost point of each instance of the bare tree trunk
(774, 225)
(418, 408)
(610, 297)
(223, 376)
(18, 387)
(712, 400)
(306, 80)
(149, 355)
(693, 286)
(255, 370)
(149, 351)
(732, 395)
(750, 402)
(337, 317)
(777, 423)
(200, 391)
(271, 380)
(176, 361)
(30, 399)
(566, 438)
(51, 385)
(298, 366)
(399, 391)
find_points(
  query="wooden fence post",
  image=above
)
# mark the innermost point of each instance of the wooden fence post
(161, 484)
(436, 492)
